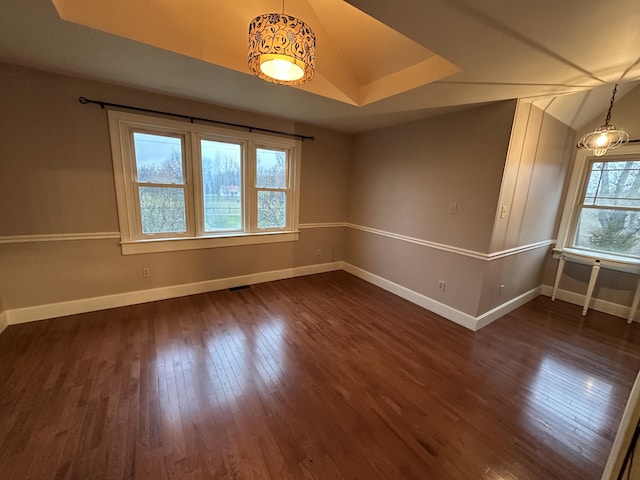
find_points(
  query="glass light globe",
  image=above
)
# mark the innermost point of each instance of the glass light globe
(282, 69)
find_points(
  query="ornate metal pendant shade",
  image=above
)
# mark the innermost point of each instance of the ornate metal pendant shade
(605, 137)
(282, 49)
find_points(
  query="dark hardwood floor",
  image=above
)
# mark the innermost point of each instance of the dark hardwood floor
(318, 377)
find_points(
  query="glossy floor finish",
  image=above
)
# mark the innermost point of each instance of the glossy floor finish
(319, 377)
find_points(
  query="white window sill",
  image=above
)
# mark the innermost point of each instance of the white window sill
(156, 245)
(606, 260)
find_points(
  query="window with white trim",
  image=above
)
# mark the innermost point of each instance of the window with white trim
(184, 186)
(602, 213)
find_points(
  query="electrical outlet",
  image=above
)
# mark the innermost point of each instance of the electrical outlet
(453, 208)
(318, 253)
(146, 272)
(442, 285)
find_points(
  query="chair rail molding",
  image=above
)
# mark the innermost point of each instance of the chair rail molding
(58, 237)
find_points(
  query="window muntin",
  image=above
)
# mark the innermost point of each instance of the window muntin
(202, 186)
(608, 216)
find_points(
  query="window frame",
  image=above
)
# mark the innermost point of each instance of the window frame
(122, 125)
(575, 199)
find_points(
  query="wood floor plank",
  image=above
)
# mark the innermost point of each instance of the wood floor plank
(313, 378)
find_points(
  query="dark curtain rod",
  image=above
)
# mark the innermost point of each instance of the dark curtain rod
(85, 101)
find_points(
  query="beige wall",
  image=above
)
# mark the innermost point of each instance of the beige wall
(419, 268)
(519, 273)
(403, 179)
(50, 272)
(536, 170)
(615, 287)
(56, 177)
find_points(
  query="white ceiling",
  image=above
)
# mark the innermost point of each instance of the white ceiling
(541, 50)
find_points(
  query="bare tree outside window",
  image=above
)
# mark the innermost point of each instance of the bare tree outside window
(610, 216)
(162, 210)
(271, 181)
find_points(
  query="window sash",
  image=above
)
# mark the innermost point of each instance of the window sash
(286, 189)
(614, 236)
(199, 174)
(136, 226)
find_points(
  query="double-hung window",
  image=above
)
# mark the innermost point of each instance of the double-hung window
(602, 214)
(185, 186)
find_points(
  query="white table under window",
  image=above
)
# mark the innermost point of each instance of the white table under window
(597, 261)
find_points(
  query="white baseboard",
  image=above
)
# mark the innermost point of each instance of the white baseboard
(461, 318)
(4, 321)
(450, 313)
(501, 310)
(72, 307)
(603, 306)
(60, 309)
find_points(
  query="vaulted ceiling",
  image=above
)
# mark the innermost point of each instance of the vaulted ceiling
(378, 62)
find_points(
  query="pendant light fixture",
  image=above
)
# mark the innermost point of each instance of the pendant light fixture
(282, 49)
(605, 137)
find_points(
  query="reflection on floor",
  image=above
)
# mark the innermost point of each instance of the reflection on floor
(577, 401)
(318, 377)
